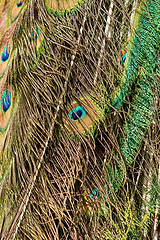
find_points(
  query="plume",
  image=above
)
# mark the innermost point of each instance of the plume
(79, 119)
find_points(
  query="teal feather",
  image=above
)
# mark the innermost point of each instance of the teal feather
(143, 47)
(142, 57)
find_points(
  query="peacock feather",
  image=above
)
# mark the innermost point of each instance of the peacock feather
(79, 119)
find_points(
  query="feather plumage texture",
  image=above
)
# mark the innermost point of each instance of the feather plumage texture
(70, 159)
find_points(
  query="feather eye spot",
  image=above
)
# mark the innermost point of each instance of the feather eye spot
(36, 34)
(19, 4)
(82, 116)
(77, 113)
(6, 101)
(16, 11)
(60, 7)
(5, 53)
(124, 58)
(95, 194)
(74, 116)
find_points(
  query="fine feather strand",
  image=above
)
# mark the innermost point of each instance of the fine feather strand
(51, 167)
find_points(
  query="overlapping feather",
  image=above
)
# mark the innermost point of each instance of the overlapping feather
(49, 167)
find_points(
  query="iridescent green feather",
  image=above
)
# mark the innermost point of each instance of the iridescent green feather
(144, 45)
(141, 63)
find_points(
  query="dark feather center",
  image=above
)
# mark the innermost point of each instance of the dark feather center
(35, 34)
(6, 101)
(19, 4)
(76, 115)
(5, 53)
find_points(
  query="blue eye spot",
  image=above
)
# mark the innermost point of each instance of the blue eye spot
(77, 113)
(36, 35)
(6, 101)
(19, 4)
(5, 53)
(95, 194)
(124, 57)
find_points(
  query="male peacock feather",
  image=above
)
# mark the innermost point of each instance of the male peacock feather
(16, 8)
(5, 53)
(74, 119)
(142, 63)
(6, 101)
(61, 6)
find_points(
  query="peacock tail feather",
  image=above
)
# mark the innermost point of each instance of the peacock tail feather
(79, 119)
(142, 108)
(61, 7)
